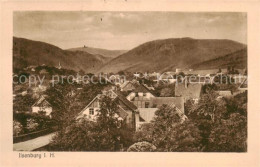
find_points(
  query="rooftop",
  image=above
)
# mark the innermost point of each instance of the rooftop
(192, 91)
(171, 101)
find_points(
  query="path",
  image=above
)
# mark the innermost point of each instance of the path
(33, 144)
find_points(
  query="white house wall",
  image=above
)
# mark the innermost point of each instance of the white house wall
(140, 94)
(87, 114)
(48, 110)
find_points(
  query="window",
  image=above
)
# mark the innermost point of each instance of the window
(91, 111)
(146, 104)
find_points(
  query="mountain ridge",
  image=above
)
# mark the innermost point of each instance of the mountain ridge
(171, 53)
(153, 56)
(29, 52)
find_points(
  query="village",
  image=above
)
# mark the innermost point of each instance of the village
(40, 110)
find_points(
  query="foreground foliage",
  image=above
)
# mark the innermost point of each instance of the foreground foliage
(106, 134)
(141, 147)
(213, 125)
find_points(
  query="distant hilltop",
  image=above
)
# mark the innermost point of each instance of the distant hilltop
(28, 52)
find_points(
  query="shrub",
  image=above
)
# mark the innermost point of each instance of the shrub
(17, 128)
(32, 125)
(142, 147)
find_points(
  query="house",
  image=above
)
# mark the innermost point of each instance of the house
(126, 110)
(224, 93)
(147, 108)
(42, 106)
(168, 77)
(189, 91)
(147, 103)
(129, 86)
(137, 108)
(140, 91)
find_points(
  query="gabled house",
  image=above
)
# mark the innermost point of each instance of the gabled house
(189, 91)
(42, 106)
(129, 86)
(147, 108)
(126, 110)
(147, 104)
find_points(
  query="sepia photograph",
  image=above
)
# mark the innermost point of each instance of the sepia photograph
(129, 81)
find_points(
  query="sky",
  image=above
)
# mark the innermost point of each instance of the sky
(125, 30)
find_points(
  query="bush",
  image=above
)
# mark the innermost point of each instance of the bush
(17, 128)
(28, 120)
(32, 125)
(142, 147)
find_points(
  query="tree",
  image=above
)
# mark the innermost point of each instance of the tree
(121, 73)
(78, 136)
(105, 134)
(64, 106)
(229, 135)
(81, 72)
(221, 122)
(165, 90)
(32, 121)
(206, 112)
(145, 133)
(23, 103)
(168, 133)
